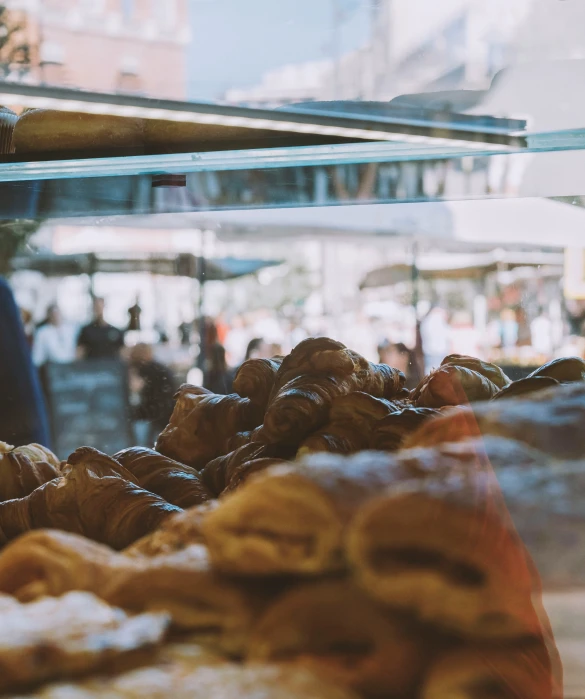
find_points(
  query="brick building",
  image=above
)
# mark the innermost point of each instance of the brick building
(130, 46)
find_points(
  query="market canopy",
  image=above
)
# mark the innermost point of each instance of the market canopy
(183, 265)
(464, 266)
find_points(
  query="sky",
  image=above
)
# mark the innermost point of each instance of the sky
(235, 42)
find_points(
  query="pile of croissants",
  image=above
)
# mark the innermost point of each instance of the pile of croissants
(321, 532)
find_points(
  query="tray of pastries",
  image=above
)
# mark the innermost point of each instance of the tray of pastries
(321, 533)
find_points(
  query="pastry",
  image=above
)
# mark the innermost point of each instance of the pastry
(389, 433)
(518, 672)
(97, 464)
(68, 636)
(8, 120)
(335, 629)
(108, 509)
(25, 468)
(43, 130)
(202, 424)
(522, 387)
(292, 518)
(378, 380)
(564, 370)
(243, 471)
(490, 371)
(179, 681)
(255, 380)
(453, 385)
(176, 533)
(550, 421)
(444, 548)
(178, 484)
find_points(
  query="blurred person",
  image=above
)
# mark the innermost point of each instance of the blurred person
(508, 328)
(28, 324)
(154, 386)
(398, 356)
(257, 349)
(217, 378)
(541, 334)
(54, 341)
(23, 417)
(463, 335)
(99, 339)
(434, 337)
(236, 341)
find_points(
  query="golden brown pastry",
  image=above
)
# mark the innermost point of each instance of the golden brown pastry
(444, 548)
(564, 370)
(550, 421)
(8, 120)
(69, 636)
(41, 130)
(522, 387)
(390, 432)
(316, 355)
(176, 533)
(25, 468)
(178, 484)
(517, 672)
(292, 518)
(202, 424)
(335, 629)
(490, 371)
(255, 380)
(453, 385)
(238, 440)
(378, 380)
(178, 680)
(109, 509)
(97, 463)
(242, 472)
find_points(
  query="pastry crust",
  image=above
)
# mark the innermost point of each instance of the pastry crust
(522, 672)
(563, 370)
(25, 468)
(335, 629)
(42, 130)
(202, 424)
(178, 484)
(490, 371)
(453, 385)
(292, 518)
(68, 636)
(255, 380)
(390, 432)
(523, 387)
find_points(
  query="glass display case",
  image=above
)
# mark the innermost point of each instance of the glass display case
(359, 252)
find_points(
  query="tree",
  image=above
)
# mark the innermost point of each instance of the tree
(15, 51)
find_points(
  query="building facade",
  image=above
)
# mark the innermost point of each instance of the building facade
(129, 46)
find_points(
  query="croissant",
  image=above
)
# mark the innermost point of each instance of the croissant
(550, 420)
(255, 380)
(176, 533)
(351, 420)
(178, 484)
(302, 406)
(523, 671)
(564, 370)
(378, 380)
(238, 440)
(242, 472)
(25, 468)
(522, 387)
(97, 463)
(316, 355)
(292, 518)
(389, 433)
(107, 509)
(202, 424)
(335, 629)
(490, 371)
(444, 548)
(453, 385)
(70, 636)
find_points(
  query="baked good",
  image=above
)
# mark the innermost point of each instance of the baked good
(332, 627)
(255, 380)
(564, 370)
(108, 509)
(292, 518)
(520, 672)
(176, 533)
(202, 424)
(44, 130)
(98, 464)
(68, 636)
(243, 471)
(389, 433)
(25, 468)
(224, 681)
(550, 421)
(8, 120)
(178, 484)
(522, 387)
(444, 548)
(378, 380)
(453, 385)
(490, 371)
